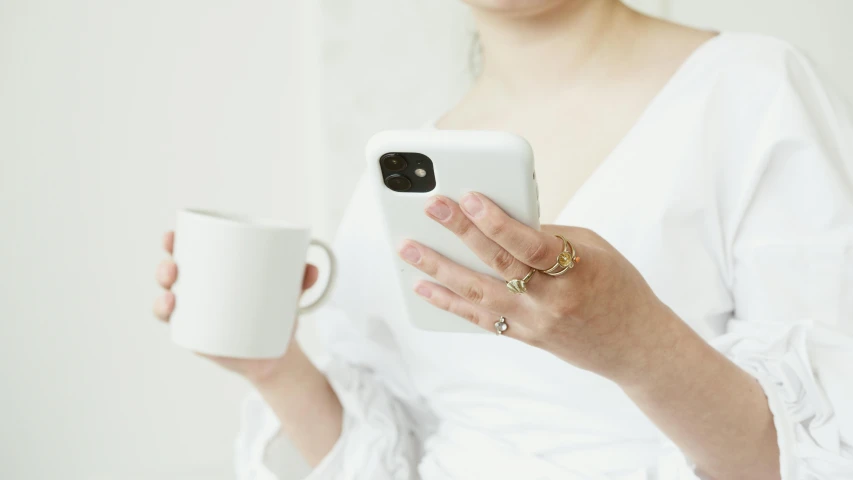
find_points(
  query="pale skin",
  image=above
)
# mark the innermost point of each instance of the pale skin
(572, 76)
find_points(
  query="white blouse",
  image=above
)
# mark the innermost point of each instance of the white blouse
(732, 194)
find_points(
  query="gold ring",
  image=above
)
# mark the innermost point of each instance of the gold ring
(520, 286)
(566, 260)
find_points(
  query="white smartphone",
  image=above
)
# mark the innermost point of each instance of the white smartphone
(407, 167)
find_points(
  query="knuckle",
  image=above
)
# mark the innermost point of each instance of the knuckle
(502, 260)
(496, 228)
(546, 327)
(537, 253)
(541, 338)
(472, 292)
(567, 306)
(470, 315)
(441, 301)
(464, 227)
(565, 309)
(429, 265)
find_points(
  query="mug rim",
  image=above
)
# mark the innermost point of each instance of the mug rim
(239, 220)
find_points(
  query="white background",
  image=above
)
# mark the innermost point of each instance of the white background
(115, 113)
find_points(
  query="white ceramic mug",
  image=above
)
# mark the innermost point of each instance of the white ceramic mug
(239, 283)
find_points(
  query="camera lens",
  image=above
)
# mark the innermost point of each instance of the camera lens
(398, 183)
(393, 162)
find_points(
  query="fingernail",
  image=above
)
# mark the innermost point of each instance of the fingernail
(423, 291)
(472, 205)
(439, 210)
(410, 254)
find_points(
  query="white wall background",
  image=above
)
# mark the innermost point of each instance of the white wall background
(821, 28)
(115, 113)
(112, 115)
(387, 64)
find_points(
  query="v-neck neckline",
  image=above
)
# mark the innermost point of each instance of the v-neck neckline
(648, 111)
(654, 104)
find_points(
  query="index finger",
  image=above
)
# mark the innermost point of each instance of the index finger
(535, 248)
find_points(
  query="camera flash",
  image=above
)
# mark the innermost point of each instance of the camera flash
(420, 172)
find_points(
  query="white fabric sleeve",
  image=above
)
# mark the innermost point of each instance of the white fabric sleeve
(791, 270)
(375, 441)
(378, 439)
(805, 371)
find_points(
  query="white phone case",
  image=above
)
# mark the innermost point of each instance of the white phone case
(496, 164)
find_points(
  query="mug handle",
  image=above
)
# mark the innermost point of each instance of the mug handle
(330, 284)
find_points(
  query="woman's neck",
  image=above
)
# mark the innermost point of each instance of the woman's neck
(546, 50)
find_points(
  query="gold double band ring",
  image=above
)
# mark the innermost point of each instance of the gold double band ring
(566, 260)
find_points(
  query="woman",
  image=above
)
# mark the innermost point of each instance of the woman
(708, 335)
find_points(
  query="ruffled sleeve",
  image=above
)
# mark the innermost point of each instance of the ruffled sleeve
(379, 438)
(376, 441)
(806, 372)
(791, 266)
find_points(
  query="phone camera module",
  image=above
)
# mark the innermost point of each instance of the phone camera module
(394, 163)
(398, 183)
(407, 172)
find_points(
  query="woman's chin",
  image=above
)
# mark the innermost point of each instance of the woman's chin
(518, 7)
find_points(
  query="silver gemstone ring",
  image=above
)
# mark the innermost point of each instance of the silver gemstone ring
(501, 326)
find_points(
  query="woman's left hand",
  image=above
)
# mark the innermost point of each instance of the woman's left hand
(601, 315)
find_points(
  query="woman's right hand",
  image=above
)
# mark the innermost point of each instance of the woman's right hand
(255, 370)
